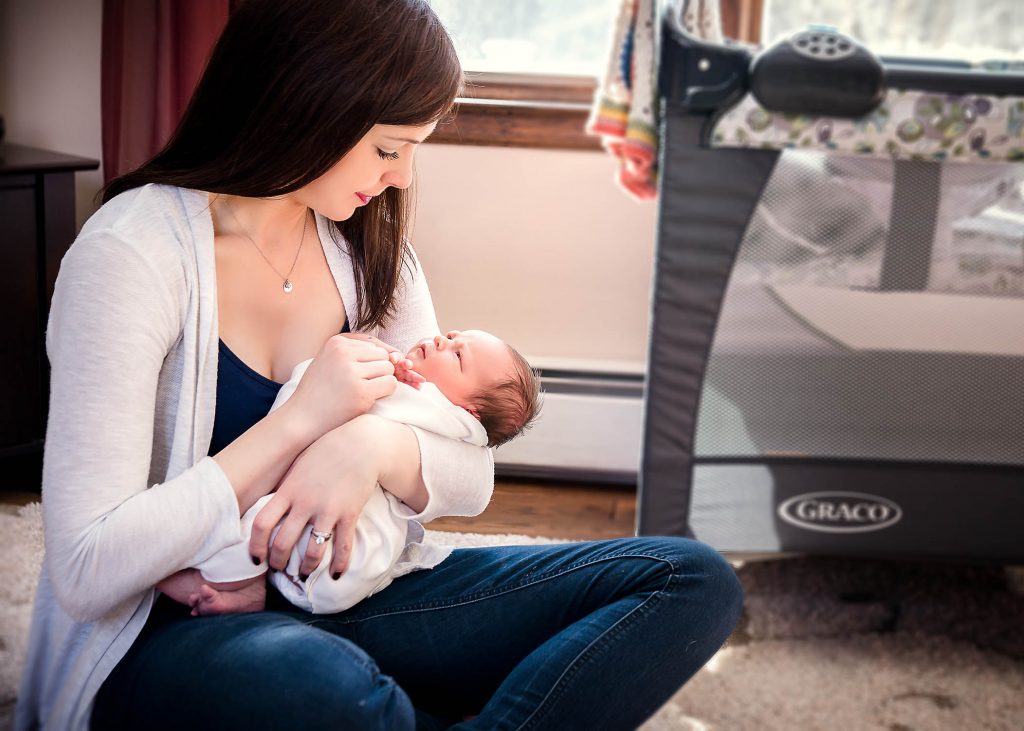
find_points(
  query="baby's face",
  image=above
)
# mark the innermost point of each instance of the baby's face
(462, 362)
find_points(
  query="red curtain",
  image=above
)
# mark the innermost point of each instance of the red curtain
(154, 52)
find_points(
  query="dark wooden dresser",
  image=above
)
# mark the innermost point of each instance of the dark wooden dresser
(37, 225)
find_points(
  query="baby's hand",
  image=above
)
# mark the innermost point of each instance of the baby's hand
(403, 370)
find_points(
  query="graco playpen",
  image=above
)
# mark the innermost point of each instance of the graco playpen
(836, 360)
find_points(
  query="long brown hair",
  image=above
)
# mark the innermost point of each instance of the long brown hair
(293, 85)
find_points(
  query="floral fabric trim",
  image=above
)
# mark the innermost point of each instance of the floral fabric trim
(909, 125)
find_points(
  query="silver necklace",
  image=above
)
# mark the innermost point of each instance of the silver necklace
(286, 285)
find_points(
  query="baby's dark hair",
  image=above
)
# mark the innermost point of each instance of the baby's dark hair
(507, 408)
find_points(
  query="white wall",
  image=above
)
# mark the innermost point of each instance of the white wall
(539, 246)
(50, 82)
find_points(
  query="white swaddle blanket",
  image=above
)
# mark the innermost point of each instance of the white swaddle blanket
(384, 531)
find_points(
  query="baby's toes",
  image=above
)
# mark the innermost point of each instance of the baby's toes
(212, 601)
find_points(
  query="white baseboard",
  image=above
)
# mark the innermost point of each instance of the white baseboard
(589, 428)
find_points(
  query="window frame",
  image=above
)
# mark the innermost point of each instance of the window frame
(548, 111)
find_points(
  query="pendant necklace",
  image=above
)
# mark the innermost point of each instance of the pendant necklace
(286, 285)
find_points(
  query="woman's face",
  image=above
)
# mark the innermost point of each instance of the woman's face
(381, 159)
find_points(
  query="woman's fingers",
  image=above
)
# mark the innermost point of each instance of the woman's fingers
(361, 350)
(374, 369)
(366, 338)
(380, 387)
(315, 550)
(344, 537)
(286, 539)
(263, 525)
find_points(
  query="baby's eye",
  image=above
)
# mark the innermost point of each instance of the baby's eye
(386, 155)
(458, 355)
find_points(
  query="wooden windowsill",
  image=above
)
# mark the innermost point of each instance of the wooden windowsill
(507, 110)
(504, 123)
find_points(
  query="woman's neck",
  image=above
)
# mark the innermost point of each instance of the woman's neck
(271, 222)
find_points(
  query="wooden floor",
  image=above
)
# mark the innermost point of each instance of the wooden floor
(535, 508)
(554, 510)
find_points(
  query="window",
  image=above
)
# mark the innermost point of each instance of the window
(533, 66)
(963, 30)
(564, 38)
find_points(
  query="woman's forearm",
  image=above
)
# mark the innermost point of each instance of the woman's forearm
(329, 484)
(257, 460)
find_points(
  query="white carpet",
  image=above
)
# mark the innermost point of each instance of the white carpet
(824, 644)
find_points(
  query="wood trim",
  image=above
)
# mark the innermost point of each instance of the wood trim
(506, 123)
(521, 110)
(531, 87)
(741, 19)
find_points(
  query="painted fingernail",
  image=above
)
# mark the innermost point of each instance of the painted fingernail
(255, 560)
(336, 575)
(303, 577)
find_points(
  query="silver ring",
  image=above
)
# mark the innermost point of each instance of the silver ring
(320, 536)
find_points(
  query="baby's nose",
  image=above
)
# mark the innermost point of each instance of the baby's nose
(439, 341)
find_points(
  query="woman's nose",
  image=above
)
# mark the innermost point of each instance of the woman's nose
(400, 176)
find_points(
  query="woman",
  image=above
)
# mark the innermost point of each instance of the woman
(186, 300)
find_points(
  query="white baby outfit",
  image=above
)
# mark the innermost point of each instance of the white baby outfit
(384, 529)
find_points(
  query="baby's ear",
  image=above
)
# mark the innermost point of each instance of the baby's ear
(472, 410)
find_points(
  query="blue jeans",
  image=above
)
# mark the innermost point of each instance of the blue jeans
(593, 635)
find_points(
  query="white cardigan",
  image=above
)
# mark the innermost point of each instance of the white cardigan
(129, 493)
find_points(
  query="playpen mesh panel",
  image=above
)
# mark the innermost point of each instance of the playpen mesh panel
(875, 311)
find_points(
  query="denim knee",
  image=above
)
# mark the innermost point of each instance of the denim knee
(719, 584)
(341, 686)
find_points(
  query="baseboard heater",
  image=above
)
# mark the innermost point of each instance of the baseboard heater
(589, 428)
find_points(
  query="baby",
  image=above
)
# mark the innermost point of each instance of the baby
(466, 385)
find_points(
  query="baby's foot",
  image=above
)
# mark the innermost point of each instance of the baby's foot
(249, 598)
(182, 586)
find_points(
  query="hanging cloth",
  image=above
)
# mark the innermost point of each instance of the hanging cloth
(625, 111)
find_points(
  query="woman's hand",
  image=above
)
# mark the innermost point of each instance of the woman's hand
(344, 380)
(327, 486)
(403, 366)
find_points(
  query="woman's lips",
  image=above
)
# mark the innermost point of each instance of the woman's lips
(364, 199)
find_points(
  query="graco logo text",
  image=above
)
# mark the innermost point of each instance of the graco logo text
(840, 512)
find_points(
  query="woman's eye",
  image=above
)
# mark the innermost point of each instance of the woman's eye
(386, 155)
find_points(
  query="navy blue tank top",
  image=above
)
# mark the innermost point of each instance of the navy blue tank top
(243, 397)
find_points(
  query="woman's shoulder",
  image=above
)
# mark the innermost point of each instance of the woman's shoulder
(161, 223)
(154, 234)
(152, 214)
